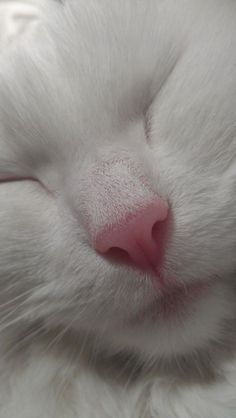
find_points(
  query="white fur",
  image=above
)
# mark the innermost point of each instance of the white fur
(104, 103)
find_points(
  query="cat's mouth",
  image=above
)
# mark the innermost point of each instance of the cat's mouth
(174, 302)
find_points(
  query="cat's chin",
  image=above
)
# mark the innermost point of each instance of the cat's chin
(178, 323)
(172, 303)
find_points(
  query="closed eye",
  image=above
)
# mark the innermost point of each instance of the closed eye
(14, 179)
(147, 126)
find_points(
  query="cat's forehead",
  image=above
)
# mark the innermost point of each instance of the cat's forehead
(54, 103)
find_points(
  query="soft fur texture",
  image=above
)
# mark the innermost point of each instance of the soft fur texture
(103, 102)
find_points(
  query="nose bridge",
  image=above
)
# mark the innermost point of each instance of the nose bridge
(117, 189)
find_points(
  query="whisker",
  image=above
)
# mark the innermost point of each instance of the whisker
(3, 305)
(19, 318)
(21, 343)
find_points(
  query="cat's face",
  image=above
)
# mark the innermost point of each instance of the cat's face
(105, 136)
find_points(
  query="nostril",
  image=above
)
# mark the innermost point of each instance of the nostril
(157, 230)
(118, 255)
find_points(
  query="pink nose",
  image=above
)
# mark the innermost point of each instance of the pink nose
(139, 235)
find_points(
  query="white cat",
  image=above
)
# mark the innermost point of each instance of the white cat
(117, 212)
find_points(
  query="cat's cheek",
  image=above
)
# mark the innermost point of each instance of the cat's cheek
(28, 223)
